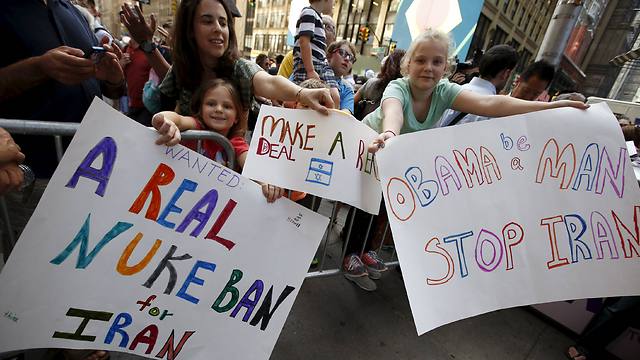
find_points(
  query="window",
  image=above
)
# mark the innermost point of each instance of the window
(528, 20)
(525, 57)
(538, 33)
(521, 16)
(499, 37)
(514, 44)
(505, 6)
(514, 9)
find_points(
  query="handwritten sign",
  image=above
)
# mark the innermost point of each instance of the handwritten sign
(321, 155)
(135, 249)
(514, 211)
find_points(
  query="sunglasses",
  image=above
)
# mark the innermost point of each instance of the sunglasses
(345, 55)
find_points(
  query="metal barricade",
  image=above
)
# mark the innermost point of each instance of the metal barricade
(328, 251)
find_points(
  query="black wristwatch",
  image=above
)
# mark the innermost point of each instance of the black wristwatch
(148, 46)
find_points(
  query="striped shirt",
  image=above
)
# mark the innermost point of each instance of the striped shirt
(310, 24)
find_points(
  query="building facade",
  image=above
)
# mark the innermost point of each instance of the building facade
(268, 33)
(519, 23)
(617, 33)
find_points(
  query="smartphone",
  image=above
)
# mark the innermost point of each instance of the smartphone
(96, 53)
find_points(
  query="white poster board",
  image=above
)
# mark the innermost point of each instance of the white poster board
(513, 211)
(142, 251)
(320, 155)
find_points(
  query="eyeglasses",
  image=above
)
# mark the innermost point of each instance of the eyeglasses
(346, 55)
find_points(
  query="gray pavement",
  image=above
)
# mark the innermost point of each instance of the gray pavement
(334, 319)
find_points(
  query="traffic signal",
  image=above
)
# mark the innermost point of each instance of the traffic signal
(392, 47)
(363, 34)
(174, 6)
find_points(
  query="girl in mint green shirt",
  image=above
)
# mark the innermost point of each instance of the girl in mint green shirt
(418, 100)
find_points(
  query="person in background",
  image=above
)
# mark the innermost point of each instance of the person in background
(142, 32)
(368, 96)
(467, 70)
(535, 79)
(286, 67)
(341, 56)
(49, 71)
(263, 61)
(136, 73)
(495, 69)
(274, 69)
(350, 80)
(309, 49)
(166, 34)
(617, 314)
(11, 176)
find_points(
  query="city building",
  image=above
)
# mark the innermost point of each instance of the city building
(617, 33)
(519, 23)
(266, 28)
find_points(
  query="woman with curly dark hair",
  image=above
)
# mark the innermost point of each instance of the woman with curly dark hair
(368, 96)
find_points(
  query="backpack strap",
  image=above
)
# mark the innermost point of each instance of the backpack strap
(457, 118)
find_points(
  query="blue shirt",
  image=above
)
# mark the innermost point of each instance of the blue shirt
(30, 28)
(478, 86)
(346, 96)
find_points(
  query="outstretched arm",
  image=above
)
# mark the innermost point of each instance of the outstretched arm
(502, 105)
(169, 125)
(392, 121)
(279, 88)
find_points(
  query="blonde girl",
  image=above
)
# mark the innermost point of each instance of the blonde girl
(416, 101)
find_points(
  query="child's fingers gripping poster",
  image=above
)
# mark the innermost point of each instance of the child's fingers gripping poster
(153, 250)
(322, 155)
(520, 210)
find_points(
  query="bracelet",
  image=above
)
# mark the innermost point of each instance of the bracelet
(391, 131)
(298, 94)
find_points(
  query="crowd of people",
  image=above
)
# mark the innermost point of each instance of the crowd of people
(190, 75)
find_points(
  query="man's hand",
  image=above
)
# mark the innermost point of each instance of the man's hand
(9, 150)
(11, 176)
(109, 69)
(66, 65)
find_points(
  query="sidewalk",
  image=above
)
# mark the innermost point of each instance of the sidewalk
(334, 319)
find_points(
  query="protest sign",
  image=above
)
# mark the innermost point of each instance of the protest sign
(519, 210)
(321, 155)
(153, 250)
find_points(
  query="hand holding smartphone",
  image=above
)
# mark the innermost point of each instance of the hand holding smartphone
(96, 53)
